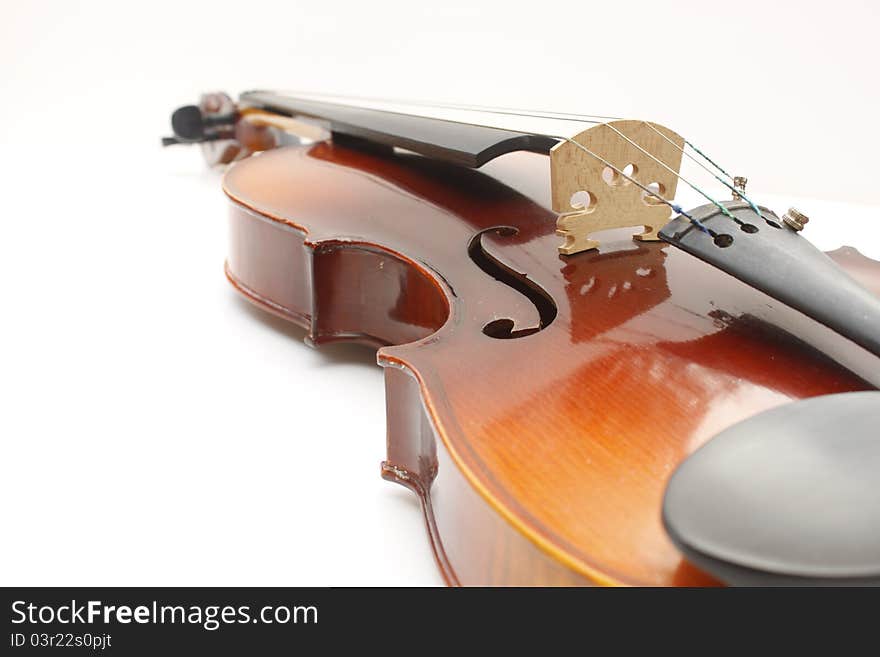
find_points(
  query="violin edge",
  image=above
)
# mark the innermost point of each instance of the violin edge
(513, 555)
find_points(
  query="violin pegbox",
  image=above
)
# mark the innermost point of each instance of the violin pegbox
(591, 196)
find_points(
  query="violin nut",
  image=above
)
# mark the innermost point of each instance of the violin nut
(795, 219)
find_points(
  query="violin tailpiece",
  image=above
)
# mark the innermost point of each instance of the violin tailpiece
(773, 257)
(591, 196)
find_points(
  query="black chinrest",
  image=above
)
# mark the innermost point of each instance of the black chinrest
(788, 497)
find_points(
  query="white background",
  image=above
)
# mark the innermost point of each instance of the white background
(157, 430)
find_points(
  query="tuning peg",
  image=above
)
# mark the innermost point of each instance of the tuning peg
(188, 123)
(171, 141)
(190, 126)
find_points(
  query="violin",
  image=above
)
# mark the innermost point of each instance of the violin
(585, 382)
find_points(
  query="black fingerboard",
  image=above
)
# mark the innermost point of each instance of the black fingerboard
(462, 143)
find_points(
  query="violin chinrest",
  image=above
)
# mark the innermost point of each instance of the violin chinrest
(786, 497)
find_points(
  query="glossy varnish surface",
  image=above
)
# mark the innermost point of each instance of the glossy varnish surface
(568, 434)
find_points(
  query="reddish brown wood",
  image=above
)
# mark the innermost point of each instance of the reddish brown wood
(542, 459)
(860, 267)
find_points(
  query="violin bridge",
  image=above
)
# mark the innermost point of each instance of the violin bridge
(592, 196)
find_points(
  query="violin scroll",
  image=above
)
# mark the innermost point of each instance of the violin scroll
(216, 124)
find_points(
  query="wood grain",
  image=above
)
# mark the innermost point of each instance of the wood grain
(608, 199)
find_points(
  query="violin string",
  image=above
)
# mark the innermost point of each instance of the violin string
(581, 118)
(586, 118)
(486, 109)
(650, 192)
(684, 152)
(577, 117)
(538, 114)
(444, 119)
(708, 159)
(705, 168)
(570, 116)
(723, 210)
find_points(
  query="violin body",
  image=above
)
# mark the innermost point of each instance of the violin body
(536, 403)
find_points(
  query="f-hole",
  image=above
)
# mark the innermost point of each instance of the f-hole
(546, 307)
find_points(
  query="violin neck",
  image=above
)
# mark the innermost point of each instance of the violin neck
(452, 141)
